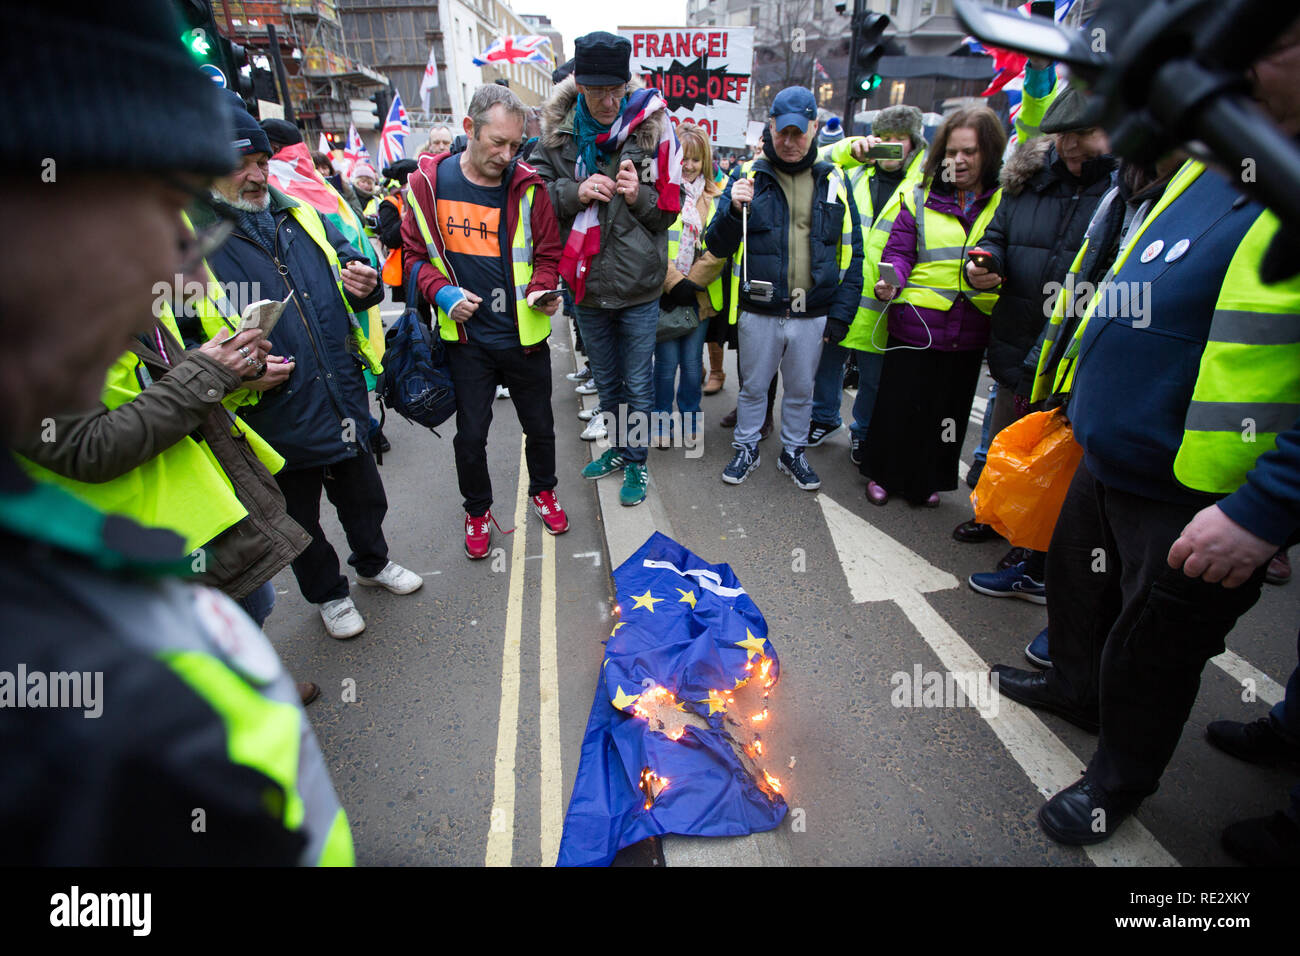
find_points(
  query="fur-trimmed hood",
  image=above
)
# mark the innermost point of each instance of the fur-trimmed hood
(1028, 160)
(557, 118)
(1037, 165)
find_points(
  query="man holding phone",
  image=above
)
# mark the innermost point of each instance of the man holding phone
(482, 228)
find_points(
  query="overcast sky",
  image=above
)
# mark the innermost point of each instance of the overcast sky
(573, 18)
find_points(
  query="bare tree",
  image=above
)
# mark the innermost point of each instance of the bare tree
(788, 40)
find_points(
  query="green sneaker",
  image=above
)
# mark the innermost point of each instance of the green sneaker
(611, 461)
(634, 479)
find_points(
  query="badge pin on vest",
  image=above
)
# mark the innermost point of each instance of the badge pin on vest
(245, 647)
(1177, 250)
(1153, 250)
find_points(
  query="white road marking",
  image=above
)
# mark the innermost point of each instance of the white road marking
(594, 555)
(878, 568)
(501, 822)
(552, 780)
(1240, 670)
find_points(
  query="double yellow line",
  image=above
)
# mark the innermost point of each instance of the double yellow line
(501, 827)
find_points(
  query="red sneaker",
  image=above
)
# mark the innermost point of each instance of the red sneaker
(549, 510)
(478, 536)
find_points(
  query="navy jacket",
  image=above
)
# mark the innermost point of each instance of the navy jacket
(305, 419)
(1136, 372)
(769, 223)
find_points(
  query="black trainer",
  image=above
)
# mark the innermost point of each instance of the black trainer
(818, 432)
(1257, 742)
(855, 450)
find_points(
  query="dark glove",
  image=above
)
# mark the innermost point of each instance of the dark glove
(683, 293)
(835, 331)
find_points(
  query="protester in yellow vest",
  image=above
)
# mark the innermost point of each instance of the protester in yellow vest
(939, 325)
(693, 282)
(878, 189)
(494, 308)
(1185, 395)
(196, 751)
(283, 249)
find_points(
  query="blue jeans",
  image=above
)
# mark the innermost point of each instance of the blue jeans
(258, 604)
(686, 353)
(620, 345)
(829, 383)
(982, 452)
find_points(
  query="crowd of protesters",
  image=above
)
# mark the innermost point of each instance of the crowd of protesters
(819, 256)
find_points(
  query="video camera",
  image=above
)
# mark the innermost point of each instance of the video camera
(1169, 73)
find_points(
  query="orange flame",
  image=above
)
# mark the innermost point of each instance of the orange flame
(761, 716)
(772, 781)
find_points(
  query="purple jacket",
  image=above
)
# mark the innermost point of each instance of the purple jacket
(962, 328)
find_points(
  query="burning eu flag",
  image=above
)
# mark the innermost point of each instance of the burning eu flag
(674, 742)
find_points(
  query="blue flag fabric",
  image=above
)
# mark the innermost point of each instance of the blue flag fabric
(687, 629)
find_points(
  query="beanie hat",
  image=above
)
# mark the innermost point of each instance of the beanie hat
(281, 133)
(601, 59)
(139, 103)
(900, 119)
(832, 132)
(364, 169)
(249, 137)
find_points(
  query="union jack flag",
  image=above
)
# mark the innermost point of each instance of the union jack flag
(512, 49)
(355, 151)
(392, 139)
(1007, 65)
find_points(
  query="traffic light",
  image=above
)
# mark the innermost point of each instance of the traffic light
(868, 45)
(382, 99)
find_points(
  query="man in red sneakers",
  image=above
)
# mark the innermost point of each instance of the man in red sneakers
(482, 222)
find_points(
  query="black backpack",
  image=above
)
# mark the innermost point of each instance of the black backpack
(415, 382)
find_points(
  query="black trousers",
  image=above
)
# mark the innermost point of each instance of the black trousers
(476, 371)
(1130, 635)
(355, 490)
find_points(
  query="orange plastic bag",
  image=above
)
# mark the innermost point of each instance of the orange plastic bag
(1022, 487)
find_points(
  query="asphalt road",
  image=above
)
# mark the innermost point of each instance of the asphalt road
(452, 725)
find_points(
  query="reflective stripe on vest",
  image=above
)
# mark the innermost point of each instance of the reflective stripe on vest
(533, 326)
(268, 736)
(310, 220)
(937, 278)
(1186, 175)
(1248, 385)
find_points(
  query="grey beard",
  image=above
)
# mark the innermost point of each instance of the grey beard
(245, 205)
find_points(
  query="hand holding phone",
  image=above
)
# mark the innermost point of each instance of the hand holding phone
(981, 258)
(979, 270)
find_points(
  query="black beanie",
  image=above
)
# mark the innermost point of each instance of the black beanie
(601, 59)
(106, 86)
(281, 133)
(248, 135)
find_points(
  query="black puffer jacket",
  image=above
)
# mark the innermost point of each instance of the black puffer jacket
(1034, 236)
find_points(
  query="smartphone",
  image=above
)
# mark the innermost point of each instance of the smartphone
(889, 274)
(546, 298)
(1043, 8)
(980, 258)
(886, 151)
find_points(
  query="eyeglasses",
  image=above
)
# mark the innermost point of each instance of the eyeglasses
(605, 94)
(201, 243)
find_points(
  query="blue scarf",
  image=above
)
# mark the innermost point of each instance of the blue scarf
(585, 130)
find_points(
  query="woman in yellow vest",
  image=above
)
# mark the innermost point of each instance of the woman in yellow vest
(939, 325)
(164, 449)
(693, 282)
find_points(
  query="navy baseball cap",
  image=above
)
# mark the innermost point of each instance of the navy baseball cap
(793, 106)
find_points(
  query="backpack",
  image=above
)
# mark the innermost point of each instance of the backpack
(415, 382)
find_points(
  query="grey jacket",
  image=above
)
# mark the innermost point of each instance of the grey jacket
(633, 259)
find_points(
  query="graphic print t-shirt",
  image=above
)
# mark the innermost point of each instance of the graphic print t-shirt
(471, 219)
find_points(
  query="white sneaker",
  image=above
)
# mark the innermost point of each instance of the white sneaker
(395, 578)
(342, 619)
(587, 414)
(587, 388)
(595, 429)
(503, 392)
